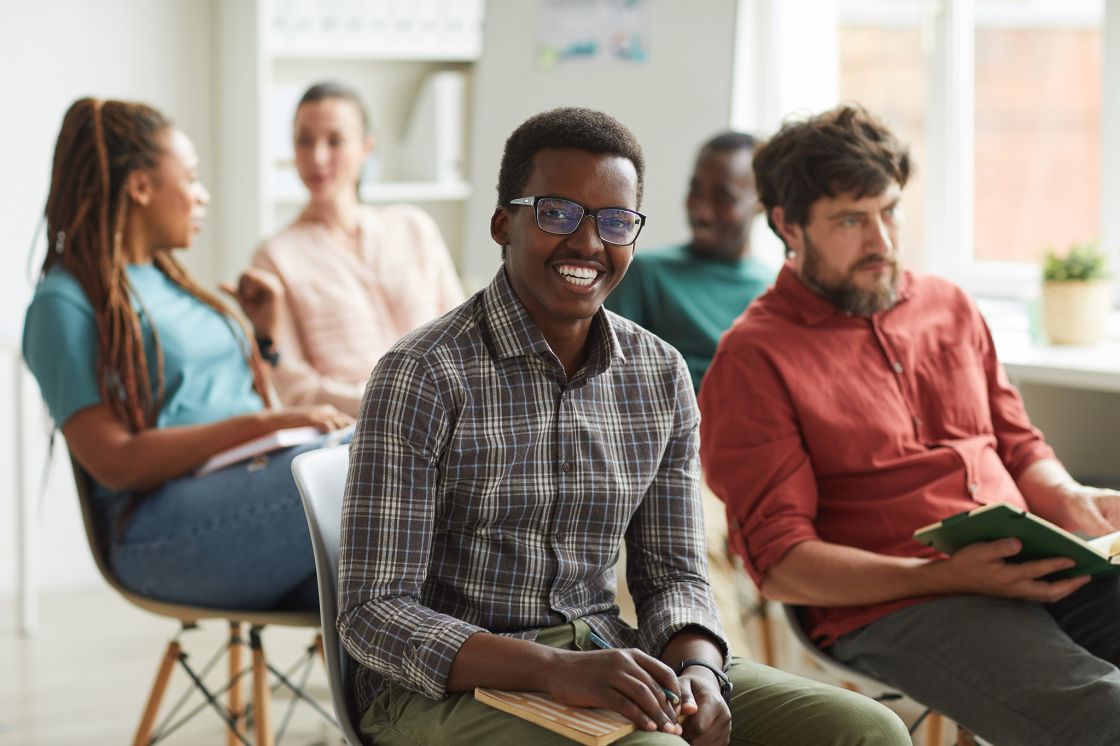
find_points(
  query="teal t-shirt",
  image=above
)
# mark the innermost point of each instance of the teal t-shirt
(206, 376)
(688, 300)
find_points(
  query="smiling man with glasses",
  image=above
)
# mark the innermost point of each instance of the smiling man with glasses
(503, 453)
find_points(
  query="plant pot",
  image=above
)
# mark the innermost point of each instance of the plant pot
(1076, 312)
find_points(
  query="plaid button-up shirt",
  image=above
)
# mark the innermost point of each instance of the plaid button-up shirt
(488, 492)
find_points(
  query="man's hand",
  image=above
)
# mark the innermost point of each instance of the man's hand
(1052, 493)
(1091, 510)
(983, 569)
(627, 681)
(260, 294)
(708, 721)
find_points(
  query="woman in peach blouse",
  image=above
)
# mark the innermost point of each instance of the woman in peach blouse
(357, 277)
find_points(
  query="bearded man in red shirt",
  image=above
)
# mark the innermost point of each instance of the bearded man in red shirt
(855, 402)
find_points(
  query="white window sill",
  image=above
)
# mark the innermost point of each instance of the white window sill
(1029, 358)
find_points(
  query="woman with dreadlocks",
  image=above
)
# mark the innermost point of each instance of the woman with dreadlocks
(148, 375)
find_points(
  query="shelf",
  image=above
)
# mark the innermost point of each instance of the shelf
(1028, 360)
(382, 30)
(399, 191)
(1095, 368)
(368, 54)
(416, 191)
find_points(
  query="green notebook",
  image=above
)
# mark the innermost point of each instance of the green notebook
(1041, 539)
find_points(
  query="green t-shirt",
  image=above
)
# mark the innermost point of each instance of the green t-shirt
(206, 376)
(688, 300)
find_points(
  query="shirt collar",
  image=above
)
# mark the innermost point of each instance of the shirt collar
(815, 308)
(513, 332)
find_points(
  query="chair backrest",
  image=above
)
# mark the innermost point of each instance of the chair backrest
(97, 534)
(98, 542)
(321, 478)
(871, 687)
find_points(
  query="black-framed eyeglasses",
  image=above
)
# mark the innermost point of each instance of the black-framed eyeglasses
(562, 217)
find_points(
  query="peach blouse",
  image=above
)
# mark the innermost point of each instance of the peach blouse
(345, 308)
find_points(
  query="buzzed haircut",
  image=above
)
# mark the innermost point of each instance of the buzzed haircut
(730, 141)
(567, 127)
(843, 150)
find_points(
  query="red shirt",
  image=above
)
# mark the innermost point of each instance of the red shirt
(822, 425)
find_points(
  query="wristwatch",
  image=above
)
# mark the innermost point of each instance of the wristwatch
(724, 682)
(268, 351)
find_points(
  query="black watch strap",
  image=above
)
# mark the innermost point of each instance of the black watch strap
(724, 682)
(268, 351)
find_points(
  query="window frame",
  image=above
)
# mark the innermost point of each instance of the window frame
(950, 218)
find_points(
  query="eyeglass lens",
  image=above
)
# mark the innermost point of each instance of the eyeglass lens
(560, 216)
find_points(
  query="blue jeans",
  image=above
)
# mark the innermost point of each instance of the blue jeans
(236, 538)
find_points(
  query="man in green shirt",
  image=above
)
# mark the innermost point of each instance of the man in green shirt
(689, 295)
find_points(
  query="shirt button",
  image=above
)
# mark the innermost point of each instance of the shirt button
(566, 467)
(973, 488)
(898, 367)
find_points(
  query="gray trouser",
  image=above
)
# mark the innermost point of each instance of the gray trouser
(1013, 672)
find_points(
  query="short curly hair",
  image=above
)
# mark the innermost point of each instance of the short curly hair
(845, 149)
(567, 127)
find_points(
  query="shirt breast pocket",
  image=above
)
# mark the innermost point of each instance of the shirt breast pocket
(953, 392)
(490, 479)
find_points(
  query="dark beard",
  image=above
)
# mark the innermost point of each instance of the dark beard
(844, 294)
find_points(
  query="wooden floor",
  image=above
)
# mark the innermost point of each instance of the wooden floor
(84, 677)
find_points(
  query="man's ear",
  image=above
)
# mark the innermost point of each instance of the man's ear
(790, 232)
(139, 187)
(499, 226)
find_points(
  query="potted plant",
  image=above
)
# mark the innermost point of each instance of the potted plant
(1076, 295)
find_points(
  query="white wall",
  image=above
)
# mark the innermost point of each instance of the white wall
(672, 103)
(1081, 426)
(52, 52)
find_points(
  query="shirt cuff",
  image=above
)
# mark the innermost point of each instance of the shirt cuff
(655, 631)
(432, 648)
(767, 542)
(1036, 452)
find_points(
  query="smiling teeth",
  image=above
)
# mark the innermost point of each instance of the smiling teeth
(578, 275)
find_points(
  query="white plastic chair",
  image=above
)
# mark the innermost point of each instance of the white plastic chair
(856, 681)
(321, 478)
(237, 714)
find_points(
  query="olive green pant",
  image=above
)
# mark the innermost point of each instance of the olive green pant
(767, 707)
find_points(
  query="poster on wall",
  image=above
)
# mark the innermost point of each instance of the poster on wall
(613, 31)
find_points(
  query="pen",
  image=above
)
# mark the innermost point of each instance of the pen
(599, 642)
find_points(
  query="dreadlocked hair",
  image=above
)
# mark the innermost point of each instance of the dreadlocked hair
(99, 145)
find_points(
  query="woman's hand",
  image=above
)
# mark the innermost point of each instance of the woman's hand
(126, 461)
(323, 416)
(260, 295)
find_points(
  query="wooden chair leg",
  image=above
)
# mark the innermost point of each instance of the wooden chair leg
(148, 719)
(236, 701)
(766, 632)
(934, 725)
(319, 648)
(262, 698)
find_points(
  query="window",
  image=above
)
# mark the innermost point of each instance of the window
(896, 92)
(1037, 132)
(1004, 104)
